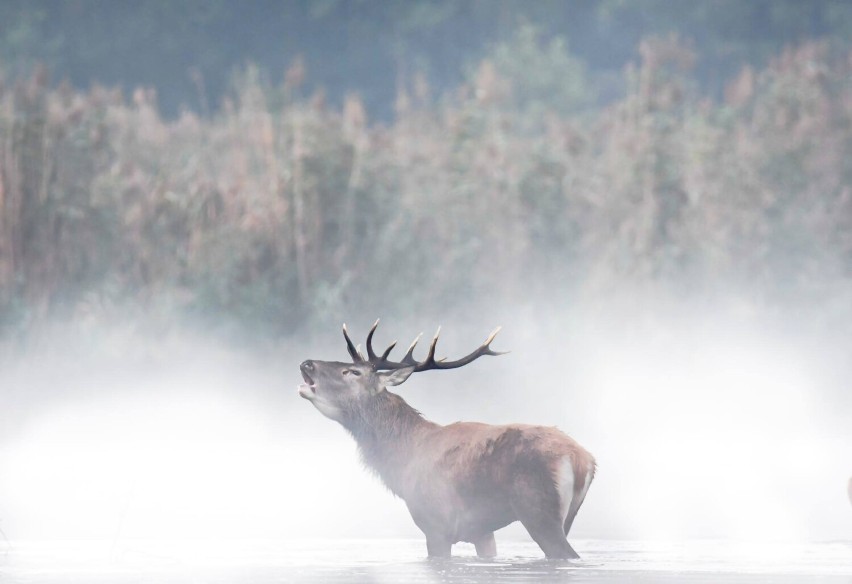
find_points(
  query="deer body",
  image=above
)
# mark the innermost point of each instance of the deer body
(462, 481)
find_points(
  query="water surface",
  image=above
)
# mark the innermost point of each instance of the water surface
(388, 561)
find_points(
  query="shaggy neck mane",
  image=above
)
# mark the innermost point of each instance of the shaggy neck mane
(385, 428)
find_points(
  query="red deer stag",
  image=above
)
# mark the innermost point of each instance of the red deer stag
(463, 481)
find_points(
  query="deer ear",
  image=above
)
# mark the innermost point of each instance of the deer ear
(396, 376)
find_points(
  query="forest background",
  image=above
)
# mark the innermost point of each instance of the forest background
(264, 169)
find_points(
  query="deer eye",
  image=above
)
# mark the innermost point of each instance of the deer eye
(351, 372)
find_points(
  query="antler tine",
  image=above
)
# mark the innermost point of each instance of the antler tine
(370, 354)
(409, 355)
(487, 343)
(353, 351)
(387, 352)
(430, 357)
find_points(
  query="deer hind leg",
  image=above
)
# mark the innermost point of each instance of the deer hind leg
(486, 546)
(548, 534)
(541, 513)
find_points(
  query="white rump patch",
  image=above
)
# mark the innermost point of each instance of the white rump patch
(586, 486)
(565, 485)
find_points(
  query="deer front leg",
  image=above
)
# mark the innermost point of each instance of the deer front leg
(433, 526)
(438, 547)
(486, 546)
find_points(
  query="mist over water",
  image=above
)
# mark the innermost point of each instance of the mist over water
(721, 423)
(653, 199)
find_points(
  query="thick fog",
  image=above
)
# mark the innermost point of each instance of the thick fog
(719, 422)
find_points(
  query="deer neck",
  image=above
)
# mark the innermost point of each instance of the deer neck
(388, 432)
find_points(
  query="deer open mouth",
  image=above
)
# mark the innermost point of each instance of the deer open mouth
(308, 389)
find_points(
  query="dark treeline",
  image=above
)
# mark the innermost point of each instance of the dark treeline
(279, 211)
(189, 50)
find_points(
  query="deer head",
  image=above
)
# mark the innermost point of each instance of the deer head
(337, 388)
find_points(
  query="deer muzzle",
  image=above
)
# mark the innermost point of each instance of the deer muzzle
(308, 389)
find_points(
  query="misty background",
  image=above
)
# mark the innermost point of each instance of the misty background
(654, 199)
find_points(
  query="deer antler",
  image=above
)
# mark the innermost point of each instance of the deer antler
(408, 360)
(353, 350)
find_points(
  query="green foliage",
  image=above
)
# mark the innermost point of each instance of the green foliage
(542, 75)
